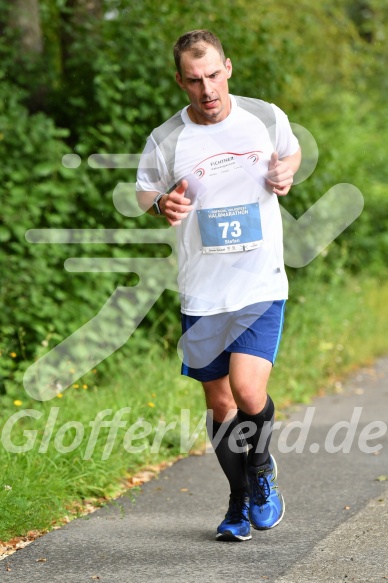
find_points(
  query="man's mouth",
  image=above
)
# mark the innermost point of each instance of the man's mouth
(210, 103)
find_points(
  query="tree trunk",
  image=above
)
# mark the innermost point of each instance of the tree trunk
(79, 14)
(25, 18)
(84, 9)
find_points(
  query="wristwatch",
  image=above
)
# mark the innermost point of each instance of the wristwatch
(156, 206)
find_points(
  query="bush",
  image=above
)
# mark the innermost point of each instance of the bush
(101, 85)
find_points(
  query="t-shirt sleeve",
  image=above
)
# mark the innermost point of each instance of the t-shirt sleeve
(286, 142)
(152, 172)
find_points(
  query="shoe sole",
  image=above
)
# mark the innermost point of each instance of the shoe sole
(230, 537)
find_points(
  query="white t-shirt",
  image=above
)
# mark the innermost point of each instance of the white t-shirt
(230, 247)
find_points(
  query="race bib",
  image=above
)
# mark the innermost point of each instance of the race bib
(230, 229)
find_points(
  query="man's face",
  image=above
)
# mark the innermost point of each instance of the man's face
(205, 81)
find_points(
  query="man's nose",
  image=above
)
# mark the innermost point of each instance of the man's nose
(206, 86)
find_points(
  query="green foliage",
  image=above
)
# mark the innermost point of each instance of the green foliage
(101, 85)
(38, 487)
(43, 302)
(328, 330)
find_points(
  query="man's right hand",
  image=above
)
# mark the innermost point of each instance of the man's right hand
(174, 206)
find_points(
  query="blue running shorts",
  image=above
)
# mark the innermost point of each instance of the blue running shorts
(208, 341)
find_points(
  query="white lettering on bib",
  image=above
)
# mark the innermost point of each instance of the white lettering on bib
(230, 229)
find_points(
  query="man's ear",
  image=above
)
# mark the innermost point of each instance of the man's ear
(229, 68)
(178, 79)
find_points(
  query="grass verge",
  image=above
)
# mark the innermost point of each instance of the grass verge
(152, 414)
(330, 331)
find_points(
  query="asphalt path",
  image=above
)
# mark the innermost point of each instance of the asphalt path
(335, 526)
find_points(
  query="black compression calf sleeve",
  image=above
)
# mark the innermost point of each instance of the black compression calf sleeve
(230, 447)
(260, 427)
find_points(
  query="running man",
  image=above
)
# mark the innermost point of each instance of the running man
(214, 172)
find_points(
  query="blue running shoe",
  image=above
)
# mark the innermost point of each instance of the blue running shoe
(236, 525)
(266, 504)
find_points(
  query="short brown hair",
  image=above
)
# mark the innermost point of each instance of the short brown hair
(195, 41)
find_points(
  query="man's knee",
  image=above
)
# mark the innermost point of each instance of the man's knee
(219, 399)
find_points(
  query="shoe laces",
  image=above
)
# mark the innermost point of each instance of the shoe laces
(235, 513)
(261, 487)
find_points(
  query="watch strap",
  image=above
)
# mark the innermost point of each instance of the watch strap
(156, 206)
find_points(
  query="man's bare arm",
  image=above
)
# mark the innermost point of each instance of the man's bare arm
(145, 201)
(174, 206)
